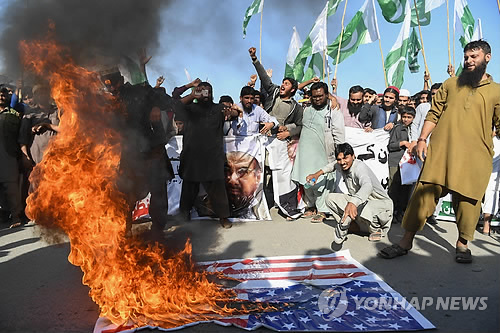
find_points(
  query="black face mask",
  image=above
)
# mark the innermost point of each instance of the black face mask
(354, 109)
(472, 78)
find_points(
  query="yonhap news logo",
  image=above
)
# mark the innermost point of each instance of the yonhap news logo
(332, 302)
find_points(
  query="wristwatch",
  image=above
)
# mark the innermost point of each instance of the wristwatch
(421, 139)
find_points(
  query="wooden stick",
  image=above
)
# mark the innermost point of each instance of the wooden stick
(453, 46)
(422, 41)
(448, 28)
(260, 39)
(340, 41)
(327, 68)
(383, 64)
(324, 56)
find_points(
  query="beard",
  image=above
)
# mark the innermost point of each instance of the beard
(354, 109)
(472, 78)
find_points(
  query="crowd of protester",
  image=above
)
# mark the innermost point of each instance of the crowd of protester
(314, 125)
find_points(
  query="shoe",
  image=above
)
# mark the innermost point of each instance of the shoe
(392, 252)
(340, 233)
(375, 236)
(463, 256)
(432, 220)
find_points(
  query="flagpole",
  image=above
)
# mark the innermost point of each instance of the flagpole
(448, 28)
(383, 65)
(260, 39)
(454, 42)
(340, 41)
(422, 41)
(324, 56)
(327, 68)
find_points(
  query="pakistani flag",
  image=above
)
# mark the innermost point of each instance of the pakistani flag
(395, 60)
(316, 40)
(293, 50)
(478, 31)
(424, 18)
(131, 71)
(362, 29)
(315, 67)
(393, 10)
(463, 22)
(255, 7)
(414, 48)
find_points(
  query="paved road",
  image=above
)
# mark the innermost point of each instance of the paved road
(42, 292)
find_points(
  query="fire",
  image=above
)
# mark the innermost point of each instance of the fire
(76, 192)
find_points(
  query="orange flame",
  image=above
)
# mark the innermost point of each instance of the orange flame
(76, 192)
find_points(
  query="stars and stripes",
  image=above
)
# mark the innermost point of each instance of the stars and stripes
(317, 293)
(370, 304)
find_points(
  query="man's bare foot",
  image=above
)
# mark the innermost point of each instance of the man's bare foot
(486, 228)
(225, 223)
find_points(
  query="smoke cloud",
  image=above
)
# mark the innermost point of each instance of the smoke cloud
(92, 29)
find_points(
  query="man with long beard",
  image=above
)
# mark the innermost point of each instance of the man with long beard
(351, 107)
(463, 112)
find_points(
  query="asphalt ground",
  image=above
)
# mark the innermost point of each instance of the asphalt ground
(42, 292)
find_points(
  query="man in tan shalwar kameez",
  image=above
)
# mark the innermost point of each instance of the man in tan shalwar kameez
(459, 158)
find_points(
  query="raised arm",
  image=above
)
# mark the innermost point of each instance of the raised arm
(265, 80)
(308, 82)
(178, 91)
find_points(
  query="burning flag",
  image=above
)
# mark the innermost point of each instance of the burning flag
(75, 191)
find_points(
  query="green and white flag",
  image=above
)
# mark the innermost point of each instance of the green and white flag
(395, 60)
(414, 48)
(131, 71)
(362, 29)
(315, 67)
(293, 50)
(424, 18)
(463, 22)
(478, 31)
(393, 10)
(433, 4)
(255, 7)
(332, 6)
(316, 37)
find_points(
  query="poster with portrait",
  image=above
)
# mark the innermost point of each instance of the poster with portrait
(244, 176)
(244, 173)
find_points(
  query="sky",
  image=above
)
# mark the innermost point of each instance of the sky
(221, 55)
(206, 38)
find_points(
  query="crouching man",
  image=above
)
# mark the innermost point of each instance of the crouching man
(366, 203)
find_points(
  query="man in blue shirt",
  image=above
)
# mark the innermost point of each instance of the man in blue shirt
(252, 119)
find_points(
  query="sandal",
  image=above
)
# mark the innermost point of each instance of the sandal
(309, 213)
(392, 251)
(463, 256)
(15, 225)
(375, 236)
(318, 218)
(225, 223)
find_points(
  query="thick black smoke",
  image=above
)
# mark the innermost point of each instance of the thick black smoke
(92, 29)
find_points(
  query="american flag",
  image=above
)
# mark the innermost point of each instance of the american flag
(326, 293)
